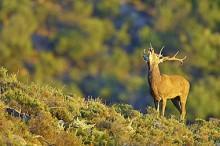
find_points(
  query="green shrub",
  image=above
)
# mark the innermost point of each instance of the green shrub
(62, 120)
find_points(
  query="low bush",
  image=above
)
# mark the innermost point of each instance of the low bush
(63, 120)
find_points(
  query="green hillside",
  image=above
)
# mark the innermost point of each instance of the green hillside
(62, 120)
(94, 47)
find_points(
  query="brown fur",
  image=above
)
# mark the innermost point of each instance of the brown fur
(165, 87)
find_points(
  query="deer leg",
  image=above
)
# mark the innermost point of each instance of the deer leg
(164, 106)
(157, 105)
(183, 110)
(176, 102)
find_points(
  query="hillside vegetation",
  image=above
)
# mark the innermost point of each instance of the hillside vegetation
(56, 118)
(94, 47)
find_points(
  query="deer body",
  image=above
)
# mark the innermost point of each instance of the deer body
(164, 86)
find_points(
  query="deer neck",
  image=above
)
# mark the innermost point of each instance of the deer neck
(154, 76)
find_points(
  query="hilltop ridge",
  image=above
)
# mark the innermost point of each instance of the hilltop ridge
(51, 117)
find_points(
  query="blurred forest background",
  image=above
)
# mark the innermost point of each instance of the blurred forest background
(94, 47)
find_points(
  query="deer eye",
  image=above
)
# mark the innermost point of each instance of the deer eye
(160, 57)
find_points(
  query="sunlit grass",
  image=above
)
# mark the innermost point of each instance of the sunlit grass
(62, 119)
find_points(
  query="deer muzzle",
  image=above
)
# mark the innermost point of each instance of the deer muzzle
(145, 58)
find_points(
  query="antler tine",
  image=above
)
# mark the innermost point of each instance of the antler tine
(181, 60)
(150, 45)
(177, 59)
(176, 54)
(173, 58)
(184, 58)
(161, 51)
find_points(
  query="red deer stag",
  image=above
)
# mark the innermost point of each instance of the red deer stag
(163, 86)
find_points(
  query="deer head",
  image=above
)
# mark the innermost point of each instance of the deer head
(153, 58)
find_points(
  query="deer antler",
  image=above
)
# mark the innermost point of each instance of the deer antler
(160, 54)
(173, 58)
(150, 45)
